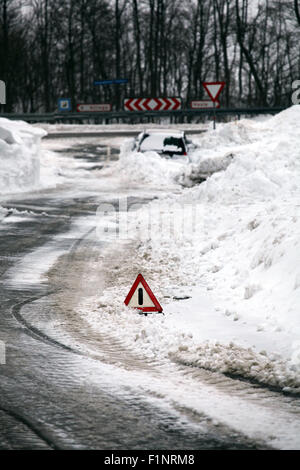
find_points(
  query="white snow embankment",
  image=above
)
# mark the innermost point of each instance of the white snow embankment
(151, 169)
(147, 168)
(232, 245)
(21, 166)
(3, 213)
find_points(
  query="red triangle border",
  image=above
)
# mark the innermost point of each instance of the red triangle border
(140, 279)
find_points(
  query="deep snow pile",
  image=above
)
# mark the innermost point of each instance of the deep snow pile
(204, 167)
(216, 151)
(20, 166)
(264, 155)
(3, 212)
(266, 159)
(231, 246)
(148, 167)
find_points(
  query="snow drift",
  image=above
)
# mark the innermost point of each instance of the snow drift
(265, 158)
(3, 212)
(147, 167)
(19, 156)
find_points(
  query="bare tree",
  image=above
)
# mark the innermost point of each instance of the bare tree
(297, 10)
(57, 48)
(241, 31)
(138, 38)
(223, 10)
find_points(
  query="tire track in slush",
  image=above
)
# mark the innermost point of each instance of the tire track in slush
(20, 418)
(39, 335)
(31, 330)
(109, 348)
(34, 332)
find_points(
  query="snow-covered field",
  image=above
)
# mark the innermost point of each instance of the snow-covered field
(229, 246)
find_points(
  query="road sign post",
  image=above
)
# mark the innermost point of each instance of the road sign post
(215, 115)
(213, 90)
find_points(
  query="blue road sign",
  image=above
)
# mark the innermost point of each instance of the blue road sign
(64, 104)
(117, 81)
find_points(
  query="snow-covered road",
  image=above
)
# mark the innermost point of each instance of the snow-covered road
(64, 386)
(221, 368)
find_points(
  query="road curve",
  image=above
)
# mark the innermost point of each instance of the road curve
(63, 385)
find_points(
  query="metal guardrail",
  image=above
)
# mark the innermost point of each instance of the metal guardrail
(134, 132)
(133, 115)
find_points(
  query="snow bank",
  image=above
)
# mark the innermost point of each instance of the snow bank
(19, 156)
(238, 264)
(265, 158)
(152, 169)
(148, 167)
(3, 212)
(238, 142)
(194, 174)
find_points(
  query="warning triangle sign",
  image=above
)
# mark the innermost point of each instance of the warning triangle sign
(213, 89)
(141, 296)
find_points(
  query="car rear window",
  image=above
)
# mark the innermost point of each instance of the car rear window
(161, 143)
(175, 143)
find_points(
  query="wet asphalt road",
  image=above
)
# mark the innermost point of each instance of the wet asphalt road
(51, 395)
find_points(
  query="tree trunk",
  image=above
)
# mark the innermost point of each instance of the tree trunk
(138, 45)
(248, 57)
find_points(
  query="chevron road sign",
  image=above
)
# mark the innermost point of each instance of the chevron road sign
(152, 104)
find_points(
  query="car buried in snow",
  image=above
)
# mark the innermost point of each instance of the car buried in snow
(167, 143)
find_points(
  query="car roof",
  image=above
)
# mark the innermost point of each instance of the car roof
(174, 133)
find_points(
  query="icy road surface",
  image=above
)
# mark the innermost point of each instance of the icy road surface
(70, 382)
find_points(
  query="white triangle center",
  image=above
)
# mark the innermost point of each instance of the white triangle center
(140, 299)
(214, 90)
